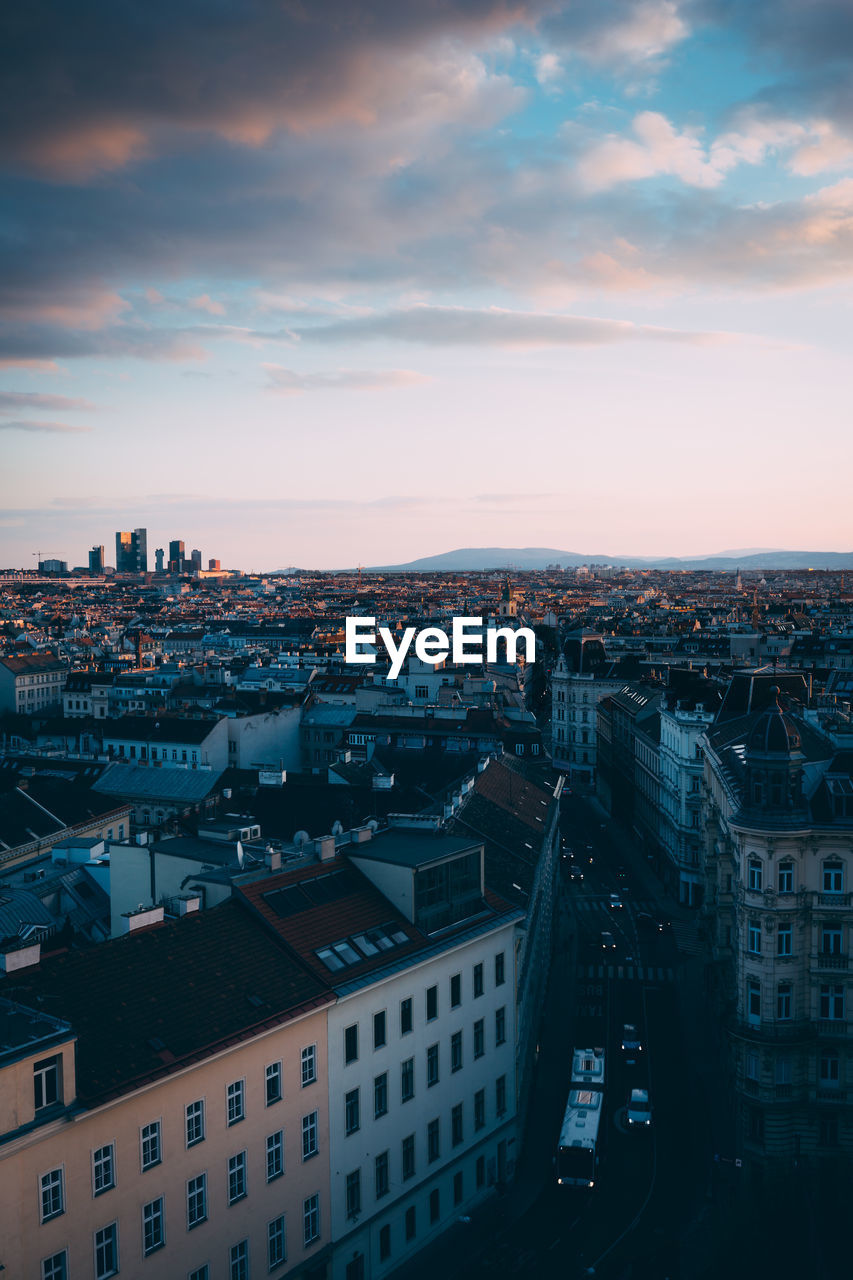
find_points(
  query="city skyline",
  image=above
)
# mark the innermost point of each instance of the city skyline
(381, 281)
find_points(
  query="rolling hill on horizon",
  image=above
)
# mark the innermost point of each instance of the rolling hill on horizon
(474, 559)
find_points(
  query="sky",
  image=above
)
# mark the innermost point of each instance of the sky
(366, 280)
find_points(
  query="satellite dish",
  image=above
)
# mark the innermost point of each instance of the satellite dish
(301, 838)
(337, 828)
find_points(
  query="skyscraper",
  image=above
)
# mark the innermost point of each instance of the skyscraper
(96, 560)
(176, 555)
(158, 560)
(195, 558)
(132, 551)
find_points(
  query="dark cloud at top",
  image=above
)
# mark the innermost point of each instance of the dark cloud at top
(90, 85)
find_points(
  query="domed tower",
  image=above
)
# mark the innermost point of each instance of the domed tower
(509, 604)
(774, 762)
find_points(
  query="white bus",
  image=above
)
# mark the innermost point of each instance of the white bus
(576, 1153)
(576, 1150)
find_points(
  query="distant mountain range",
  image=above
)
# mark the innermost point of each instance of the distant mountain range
(480, 558)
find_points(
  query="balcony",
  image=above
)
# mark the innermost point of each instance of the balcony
(840, 900)
(831, 1095)
(832, 960)
(832, 1028)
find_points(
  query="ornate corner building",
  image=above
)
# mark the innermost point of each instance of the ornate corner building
(779, 872)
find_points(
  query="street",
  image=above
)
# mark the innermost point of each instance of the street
(649, 1184)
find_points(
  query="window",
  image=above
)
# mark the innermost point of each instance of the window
(52, 1194)
(275, 1155)
(309, 1065)
(195, 1123)
(411, 1226)
(832, 1001)
(479, 1038)
(310, 1220)
(830, 1070)
(384, 1243)
(407, 1080)
(500, 1095)
(276, 1243)
(456, 991)
(380, 1095)
(457, 1189)
(833, 877)
(196, 1201)
(379, 1032)
(55, 1267)
(785, 940)
(783, 1001)
(150, 1144)
(500, 1026)
(409, 1157)
(828, 1131)
(830, 941)
(456, 1051)
(406, 1021)
(434, 1206)
(47, 1082)
(106, 1251)
(480, 1174)
(500, 970)
(351, 1044)
(753, 1000)
(237, 1177)
(273, 1083)
(239, 1258)
(480, 1109)
(478, 980)
(381, 1180)
(103, 1169)
(433, 1141)
(431, 1003)
(236, 1101)
(200, 1273)
(352, 1112)
(432, 1065)
(456, 1125)
(753, 1066)
(353, 1193)
(153, 1226)
(783, 1071)
(755, 937)
(754, 874)
(309, 1136)
(786, 877)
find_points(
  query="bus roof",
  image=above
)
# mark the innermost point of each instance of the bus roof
(581, 1119)
(588, 1068)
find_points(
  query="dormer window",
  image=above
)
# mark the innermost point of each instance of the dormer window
(47, 1082)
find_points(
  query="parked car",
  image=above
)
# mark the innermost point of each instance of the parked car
(608, 942)
(647, 924)
(639, 1109)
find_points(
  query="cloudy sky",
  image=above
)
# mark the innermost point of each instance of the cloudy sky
(364, 280)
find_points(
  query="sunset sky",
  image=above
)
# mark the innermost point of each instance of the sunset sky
(340, 282)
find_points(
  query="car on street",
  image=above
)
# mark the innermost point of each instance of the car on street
(608, 942)
(575, 873)
(615, 902)
(632, 1044)
(647, 924)
(639, 1109)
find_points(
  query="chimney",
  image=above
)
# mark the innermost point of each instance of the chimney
(324, 847)
(192, 902)
(20, 958)
(142, 918)
(272, 858)
(358, 835)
